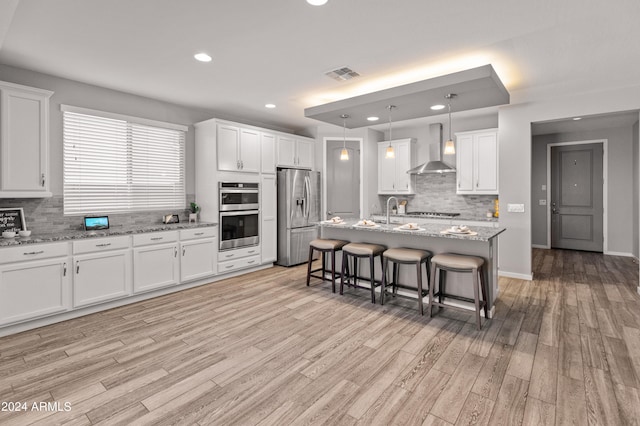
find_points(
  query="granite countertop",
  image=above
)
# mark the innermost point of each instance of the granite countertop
(483, 233)
(463, 217)
(37, 238)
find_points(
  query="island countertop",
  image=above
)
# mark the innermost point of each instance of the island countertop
(482, 233)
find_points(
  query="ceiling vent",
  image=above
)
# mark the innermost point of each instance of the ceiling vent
(342, 74)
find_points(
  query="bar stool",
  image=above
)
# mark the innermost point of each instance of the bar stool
(357, 251)
(405, 256)
(440, 263)
(324, 246)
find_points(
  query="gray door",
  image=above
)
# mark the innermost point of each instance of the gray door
(343, 180)
(576, 197)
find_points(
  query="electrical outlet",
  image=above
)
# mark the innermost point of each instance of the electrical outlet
(544, 187)
(515, 208)
(543, 202)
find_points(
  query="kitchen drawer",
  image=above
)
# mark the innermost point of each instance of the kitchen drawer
(33, 252)
(190, 234)
(234, 265)
(223, 256)
(155, 238)
(100, 244)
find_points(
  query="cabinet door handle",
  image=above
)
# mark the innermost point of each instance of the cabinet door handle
(237, 164)
(175, 252)
(103, 245)
(184, 250)
(77, 267)
(477, 184)
(64, 269)
(157, 238)
(43, 180)
(33, 252)
(241, 164)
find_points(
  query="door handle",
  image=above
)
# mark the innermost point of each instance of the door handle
(64, 269)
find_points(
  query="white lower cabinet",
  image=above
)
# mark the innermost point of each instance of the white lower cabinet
(155, 266)
(198, 253)
(99, 277)
(34, 289)
(241, 263)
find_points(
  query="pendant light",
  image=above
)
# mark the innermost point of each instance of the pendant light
(344, 154)
(449, 146)
(390, 152)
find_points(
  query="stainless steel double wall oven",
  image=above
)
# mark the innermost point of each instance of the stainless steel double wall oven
(239, 214)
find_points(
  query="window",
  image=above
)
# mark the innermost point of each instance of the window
(114, 163)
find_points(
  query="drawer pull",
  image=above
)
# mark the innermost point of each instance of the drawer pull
(197, 234)
(251, 251)
(156, 238)
(103, 245)
(229, 255)
(33, 252)
(229, 266)
(251, 261)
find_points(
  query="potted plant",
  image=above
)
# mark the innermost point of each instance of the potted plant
(193, 216)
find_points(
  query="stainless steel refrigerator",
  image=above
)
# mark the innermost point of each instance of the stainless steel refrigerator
(298, 210)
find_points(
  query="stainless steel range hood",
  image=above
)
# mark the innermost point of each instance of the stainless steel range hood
(436, 166)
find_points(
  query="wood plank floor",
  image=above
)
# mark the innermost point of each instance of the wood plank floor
(264, 349)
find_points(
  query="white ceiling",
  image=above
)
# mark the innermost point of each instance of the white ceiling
(278, 50)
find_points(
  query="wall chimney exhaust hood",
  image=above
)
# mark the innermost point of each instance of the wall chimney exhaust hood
(476, 88)
(436, 166)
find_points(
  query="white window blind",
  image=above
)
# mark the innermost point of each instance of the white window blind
(113, 164)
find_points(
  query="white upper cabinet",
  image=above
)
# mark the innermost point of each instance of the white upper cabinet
(477, 162)
(268, 153)
(238, 149)
(24, 141)
(392, 172)
(295, 152)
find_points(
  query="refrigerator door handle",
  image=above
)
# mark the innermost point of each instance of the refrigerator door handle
(307, 187)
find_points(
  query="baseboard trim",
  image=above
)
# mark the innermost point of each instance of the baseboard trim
(507, 274)
(618, 253)
(540, 246)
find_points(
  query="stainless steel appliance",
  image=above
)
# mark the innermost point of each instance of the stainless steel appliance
(239, 214)
(298, 210)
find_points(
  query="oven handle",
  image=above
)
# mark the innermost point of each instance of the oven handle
(239, 191)
(239, 213)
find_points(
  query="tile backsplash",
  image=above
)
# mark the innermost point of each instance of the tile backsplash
(437, 193)
(45, 215)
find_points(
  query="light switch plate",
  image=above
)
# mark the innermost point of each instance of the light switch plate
(543, 202)
(515, 208)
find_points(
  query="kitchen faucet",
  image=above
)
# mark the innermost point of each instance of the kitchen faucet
(388, 210)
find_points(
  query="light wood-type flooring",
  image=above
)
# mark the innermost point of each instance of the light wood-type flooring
(264, 349)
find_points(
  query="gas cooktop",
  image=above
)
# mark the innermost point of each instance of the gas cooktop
(433, 214)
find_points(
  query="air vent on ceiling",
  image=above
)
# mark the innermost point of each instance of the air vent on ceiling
(342, 74)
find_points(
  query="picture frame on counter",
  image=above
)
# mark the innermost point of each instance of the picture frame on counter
(12, 220)
(170, 218)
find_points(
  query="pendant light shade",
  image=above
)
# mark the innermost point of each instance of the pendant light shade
(344, 154)
(449, 146)
(390, 153)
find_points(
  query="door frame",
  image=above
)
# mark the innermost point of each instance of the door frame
(605, 185)
(324, 171)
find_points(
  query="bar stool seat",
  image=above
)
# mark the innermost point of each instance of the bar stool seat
(324, 246)
(356, 251)
(443, 262)
(408, 256)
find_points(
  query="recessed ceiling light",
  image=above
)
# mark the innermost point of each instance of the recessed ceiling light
(437, 107)
(317, 2)
(373, 118)
(269, 105)
(577, 118)
(202, 57)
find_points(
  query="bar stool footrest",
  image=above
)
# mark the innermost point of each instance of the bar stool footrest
(455, 297)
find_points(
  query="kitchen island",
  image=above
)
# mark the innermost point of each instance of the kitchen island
(482, 242)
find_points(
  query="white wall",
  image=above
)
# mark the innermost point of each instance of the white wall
(619, 183)
(515, 162)
(636, 190)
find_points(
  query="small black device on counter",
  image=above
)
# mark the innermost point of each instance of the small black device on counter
(95, 223)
